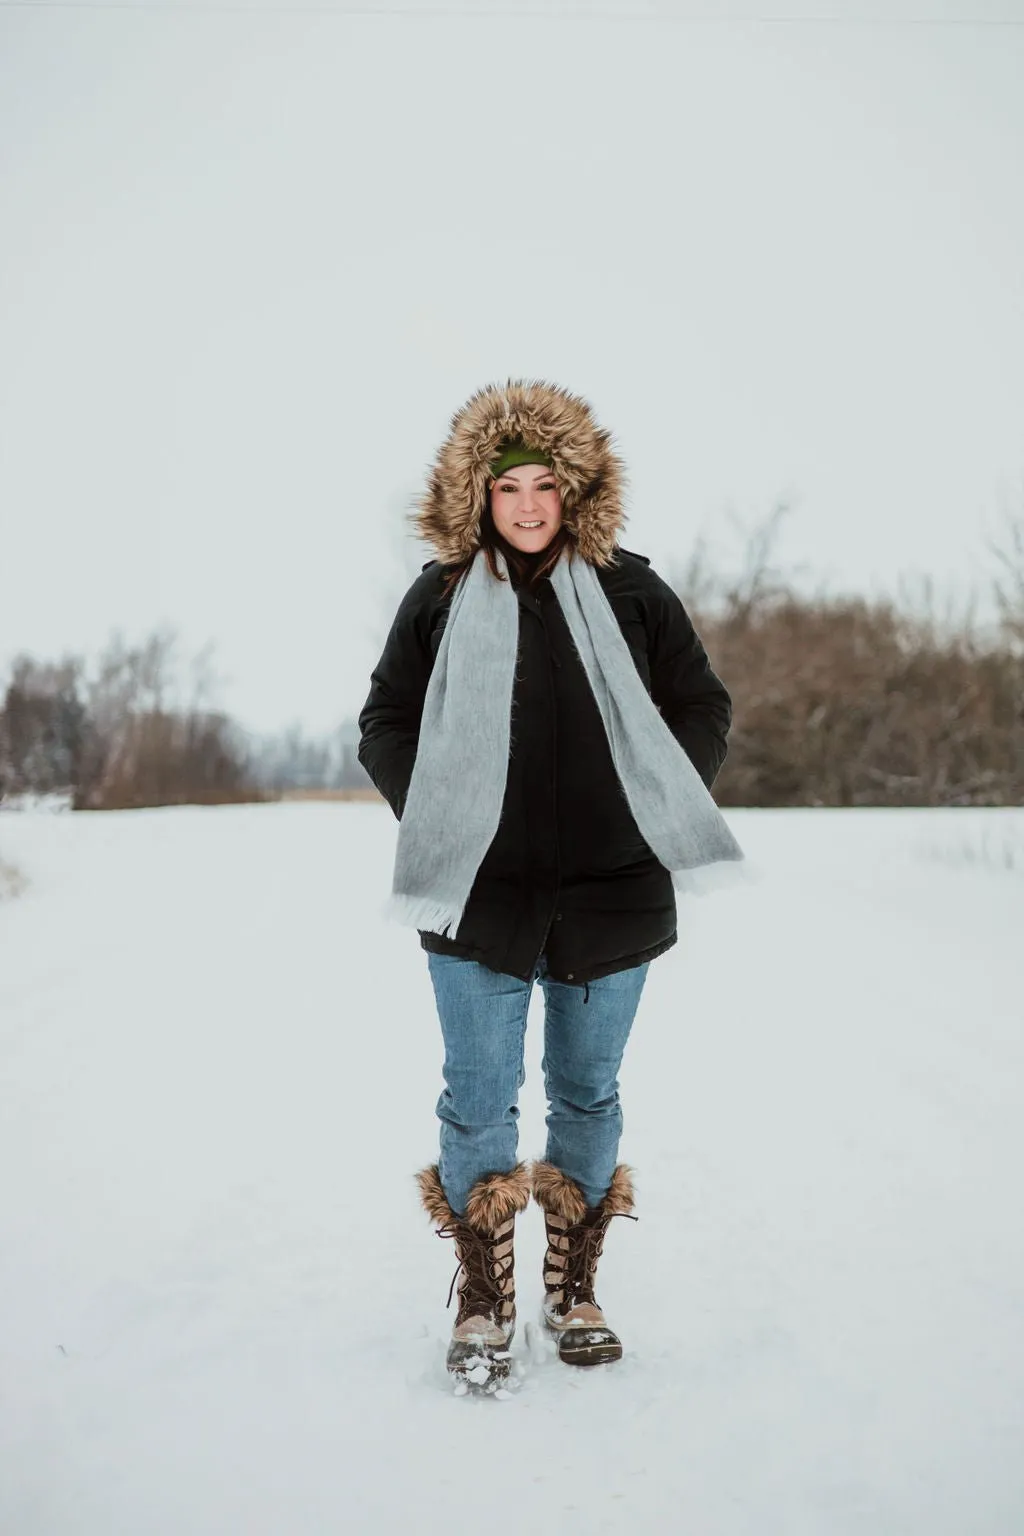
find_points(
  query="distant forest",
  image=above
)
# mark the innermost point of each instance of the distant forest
(125, 733)
(838, 701)
(842, 701)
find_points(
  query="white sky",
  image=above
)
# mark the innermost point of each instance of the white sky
(251, 261)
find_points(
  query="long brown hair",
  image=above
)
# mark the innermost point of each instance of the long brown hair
(528, 569)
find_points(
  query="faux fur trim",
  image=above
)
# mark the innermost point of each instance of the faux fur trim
(495, 1198)
(590, 475)
(619, 1199)
(554, 1191)
(432, 1196)
(492, 1200)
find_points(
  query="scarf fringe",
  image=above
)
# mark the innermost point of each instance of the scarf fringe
(705, 879)
(424, 912)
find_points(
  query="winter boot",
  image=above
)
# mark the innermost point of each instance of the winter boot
(478, 1355)
(575, 1240)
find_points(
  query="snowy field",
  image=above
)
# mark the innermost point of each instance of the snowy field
(222, 1311)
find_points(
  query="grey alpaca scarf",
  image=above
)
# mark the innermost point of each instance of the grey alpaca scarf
(457, 788)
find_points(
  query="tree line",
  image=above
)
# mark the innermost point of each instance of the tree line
(838, 701)
(129, 732)
(849, 701)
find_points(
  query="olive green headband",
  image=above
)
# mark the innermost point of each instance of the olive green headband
(516, 452)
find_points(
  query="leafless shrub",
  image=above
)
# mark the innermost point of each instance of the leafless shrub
(12, 881)
(991, 848)
(152, 738)
(291, 764)
(138, 729)
(849, 701)
(1008, 586)
(42, 725)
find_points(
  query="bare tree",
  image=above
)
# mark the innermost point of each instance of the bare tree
(1009, 583)
(153, 740)
(846, 701)
(42, 727)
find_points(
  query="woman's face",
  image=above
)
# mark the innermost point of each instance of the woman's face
(524, 495)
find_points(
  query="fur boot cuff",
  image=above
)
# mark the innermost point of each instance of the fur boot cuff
(554, 1191)
(492, 1200)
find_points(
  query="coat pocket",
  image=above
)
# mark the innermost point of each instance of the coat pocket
(634, 633)
(440, 625)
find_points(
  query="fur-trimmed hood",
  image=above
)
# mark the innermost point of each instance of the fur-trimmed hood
(591, 477)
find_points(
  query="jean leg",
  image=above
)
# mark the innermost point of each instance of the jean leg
(483, 1023)
(583, 1048)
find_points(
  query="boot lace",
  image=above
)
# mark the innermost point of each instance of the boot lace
(480, 1293)
(584, 1246)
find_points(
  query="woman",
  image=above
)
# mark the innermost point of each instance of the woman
(524, 721)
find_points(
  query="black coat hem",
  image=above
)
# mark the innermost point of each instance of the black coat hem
(437, 944)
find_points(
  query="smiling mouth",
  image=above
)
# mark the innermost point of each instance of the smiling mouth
(529, 526)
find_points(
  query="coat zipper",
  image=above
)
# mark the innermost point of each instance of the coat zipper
(552, 662)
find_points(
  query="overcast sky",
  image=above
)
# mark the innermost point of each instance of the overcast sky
(252, 260)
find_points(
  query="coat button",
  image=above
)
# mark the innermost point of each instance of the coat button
(558, 917)
(569, 975)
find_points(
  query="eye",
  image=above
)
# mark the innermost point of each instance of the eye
(548, 485)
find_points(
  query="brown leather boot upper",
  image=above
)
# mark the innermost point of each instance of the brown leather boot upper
(575, 1241)
(484, 1243)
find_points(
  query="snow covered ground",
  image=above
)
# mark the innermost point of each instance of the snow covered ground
(222, 1311)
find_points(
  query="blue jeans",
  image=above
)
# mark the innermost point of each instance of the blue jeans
(483, 1021)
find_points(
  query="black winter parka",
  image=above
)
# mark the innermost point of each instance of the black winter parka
(567, 873)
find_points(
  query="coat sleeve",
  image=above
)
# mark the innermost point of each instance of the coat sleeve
(693, 701)
(389, 721)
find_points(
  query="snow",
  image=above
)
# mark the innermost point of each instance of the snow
(222, 1310)
(56, 801)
